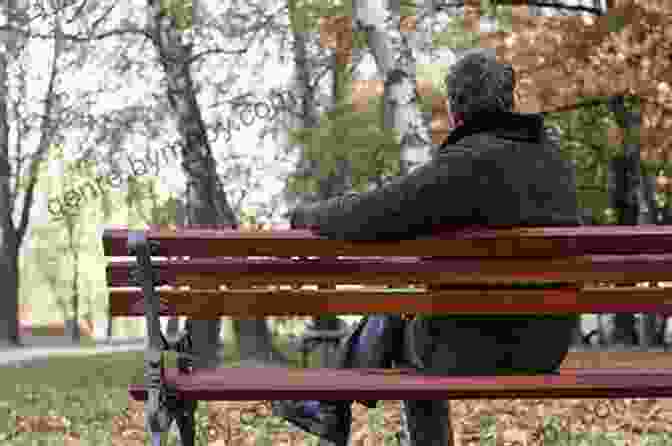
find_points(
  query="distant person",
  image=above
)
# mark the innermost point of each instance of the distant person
(496, 168)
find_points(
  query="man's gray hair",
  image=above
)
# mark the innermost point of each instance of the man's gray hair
(477, 82)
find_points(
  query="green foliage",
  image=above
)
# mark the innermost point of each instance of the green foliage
(346, 134)
(143, 195)
(49, 265)
(584, 141)
(166, 213)
(304, 15)
(434, 73)
(181, 10)
(504, 16)
(454, 35)
(616, 23)
(407, 9)
(247, 216)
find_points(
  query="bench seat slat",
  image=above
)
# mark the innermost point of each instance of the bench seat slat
(260, 303)
(454, 242)
(236, 384)
(209, 273)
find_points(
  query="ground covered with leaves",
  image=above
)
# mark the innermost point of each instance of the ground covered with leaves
(84, 401)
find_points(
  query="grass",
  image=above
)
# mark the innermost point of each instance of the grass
(84, 401)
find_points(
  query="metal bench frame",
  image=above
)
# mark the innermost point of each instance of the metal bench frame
(163, 406)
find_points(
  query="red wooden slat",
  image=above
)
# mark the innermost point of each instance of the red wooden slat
(236, 384)
(453, 242)
(205, 304)
(606, 268)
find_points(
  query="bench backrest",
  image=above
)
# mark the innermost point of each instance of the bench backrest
(468, 270)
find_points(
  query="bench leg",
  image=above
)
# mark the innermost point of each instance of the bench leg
(158, 415)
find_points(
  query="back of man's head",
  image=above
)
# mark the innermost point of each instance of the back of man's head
(477, 83)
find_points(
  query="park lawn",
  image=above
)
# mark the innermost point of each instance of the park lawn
(84, 401)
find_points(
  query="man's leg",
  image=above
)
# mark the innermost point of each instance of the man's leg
(429, 423)
(488, 347)
(373, 344)
(444, 347)
(540, 345)
(376, 344)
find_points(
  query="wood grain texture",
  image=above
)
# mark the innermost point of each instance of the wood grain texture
(447, 242)
(235, 384)
(210, 273)
(207, 304)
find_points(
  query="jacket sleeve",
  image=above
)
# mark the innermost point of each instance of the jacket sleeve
(445, 190)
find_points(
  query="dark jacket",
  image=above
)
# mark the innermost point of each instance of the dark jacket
(497, 169)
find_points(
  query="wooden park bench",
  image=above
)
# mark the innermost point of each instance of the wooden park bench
(209, 273)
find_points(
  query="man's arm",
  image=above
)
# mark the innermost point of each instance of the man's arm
(445, 190)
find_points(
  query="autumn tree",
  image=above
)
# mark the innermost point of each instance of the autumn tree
(19, 168)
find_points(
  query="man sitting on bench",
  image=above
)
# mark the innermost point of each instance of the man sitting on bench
(496, 168)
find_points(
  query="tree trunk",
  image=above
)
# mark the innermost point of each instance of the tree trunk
(628, 201)
(207, 202)
(256, 341)
(9, 244)
(577, 334)
(648, 328)
(9, 277)
(11, 235)
(424, 423)
(76, 335)
(172, 327)
(335, 184)
(198, 164)
(578, 337)
(108, 331)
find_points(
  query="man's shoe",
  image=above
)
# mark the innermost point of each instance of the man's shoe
(327, 419)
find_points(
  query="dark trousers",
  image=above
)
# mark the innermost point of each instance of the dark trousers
(456, 346)
(462, 345)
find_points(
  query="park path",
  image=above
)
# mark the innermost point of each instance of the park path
(38, 349)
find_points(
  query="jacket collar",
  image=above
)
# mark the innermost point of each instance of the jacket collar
(509, 125)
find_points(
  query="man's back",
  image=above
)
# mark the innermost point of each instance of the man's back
(531, 184)
(522, 181)
(498, 169)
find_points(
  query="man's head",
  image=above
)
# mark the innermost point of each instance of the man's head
(476, 83)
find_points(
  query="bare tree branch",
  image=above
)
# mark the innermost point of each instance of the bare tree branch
(100, 19)
(80, 38)
(77, 13)
(596, 11)
(255, 29)
(46, 133)
(218, 51)
(21, 129)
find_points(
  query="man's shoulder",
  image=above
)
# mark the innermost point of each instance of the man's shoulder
(493, 143)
